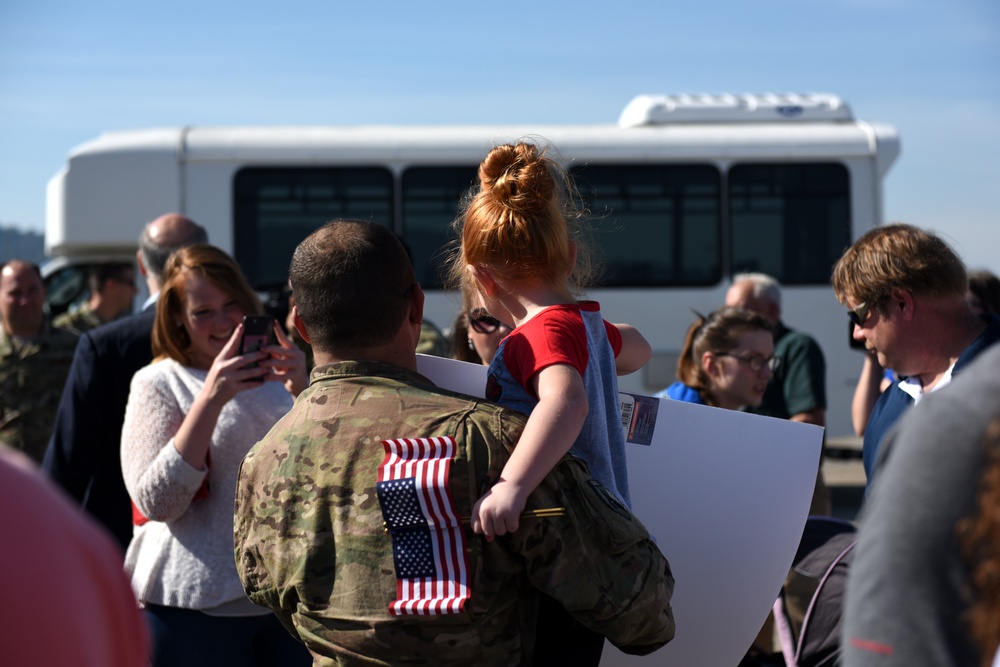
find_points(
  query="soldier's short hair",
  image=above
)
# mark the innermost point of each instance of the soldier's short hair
(351, 281)
(15, 262)
(898, 256)
(106, 271)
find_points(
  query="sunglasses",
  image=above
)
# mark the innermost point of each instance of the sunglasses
(859, 315)
(483, 323)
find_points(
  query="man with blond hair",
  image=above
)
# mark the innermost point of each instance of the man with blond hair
(905, 289)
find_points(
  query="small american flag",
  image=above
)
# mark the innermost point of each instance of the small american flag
(428, 540)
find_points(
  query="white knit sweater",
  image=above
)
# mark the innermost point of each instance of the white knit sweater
(183, 556)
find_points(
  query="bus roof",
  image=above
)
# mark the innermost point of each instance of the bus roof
(467, 144)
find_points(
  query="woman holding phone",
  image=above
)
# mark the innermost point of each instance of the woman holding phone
(192, 416)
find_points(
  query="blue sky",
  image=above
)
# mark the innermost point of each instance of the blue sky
(70, 70)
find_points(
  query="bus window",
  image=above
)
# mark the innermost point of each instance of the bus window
(654, 225)
(790, 221)
(275, 208)
(431, 196)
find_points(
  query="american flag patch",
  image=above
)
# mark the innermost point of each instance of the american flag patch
(428, 540)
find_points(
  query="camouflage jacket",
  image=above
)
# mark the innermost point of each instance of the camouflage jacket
(310, 542)
(79, 320)
(432, 341)
(32, 376)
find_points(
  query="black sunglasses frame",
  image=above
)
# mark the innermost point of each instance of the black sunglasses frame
(483, 323)
(859, 315)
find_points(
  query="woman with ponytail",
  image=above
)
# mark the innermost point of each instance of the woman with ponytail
(726, 361)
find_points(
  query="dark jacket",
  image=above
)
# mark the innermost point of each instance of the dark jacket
(84, 453)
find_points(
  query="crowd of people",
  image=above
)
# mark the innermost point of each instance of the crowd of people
(380, 519)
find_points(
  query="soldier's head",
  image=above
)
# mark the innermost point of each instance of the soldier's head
(160, 238)
(758, 292)
(354, 288)
(22, 298)
(112, 288)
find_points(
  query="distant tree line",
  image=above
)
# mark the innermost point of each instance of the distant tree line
(21, 244)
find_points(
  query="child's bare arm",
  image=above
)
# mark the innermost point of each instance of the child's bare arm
(551, 430)
(635, 352)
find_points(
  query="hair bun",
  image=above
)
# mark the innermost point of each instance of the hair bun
(517, 177)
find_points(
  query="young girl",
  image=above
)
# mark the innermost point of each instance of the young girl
(559, 363)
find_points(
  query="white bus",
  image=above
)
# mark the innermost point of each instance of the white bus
(685, 192)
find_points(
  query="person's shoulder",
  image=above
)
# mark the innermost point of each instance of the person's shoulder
(64, 320)
(162, 371)
(139, 324)
(784, 332)
(986, 340)
(980, 378)
(788, 340)
(679, 391)
(61, 335)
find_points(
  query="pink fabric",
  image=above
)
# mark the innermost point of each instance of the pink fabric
(66, 600)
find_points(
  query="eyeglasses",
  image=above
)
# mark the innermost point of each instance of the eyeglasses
(756, 362)
(483, 323)
(860, 314)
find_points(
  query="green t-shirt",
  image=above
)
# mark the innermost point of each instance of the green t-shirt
(799, 384)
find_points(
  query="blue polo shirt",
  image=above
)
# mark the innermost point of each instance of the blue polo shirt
(894, 402)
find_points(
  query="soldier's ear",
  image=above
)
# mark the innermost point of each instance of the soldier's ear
(300, 325)
(416, 304)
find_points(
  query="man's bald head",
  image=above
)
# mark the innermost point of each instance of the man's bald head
(756, 292)
(162, 237)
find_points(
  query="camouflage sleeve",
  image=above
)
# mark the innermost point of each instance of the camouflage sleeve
(598, 560)
(251, 533)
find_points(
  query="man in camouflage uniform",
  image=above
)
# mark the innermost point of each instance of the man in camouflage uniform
(310, 542)
(112, 289)
(34, 360)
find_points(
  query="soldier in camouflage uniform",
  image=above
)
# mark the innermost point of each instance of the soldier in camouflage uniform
(34, 360)
(309, 534)
(112, 288)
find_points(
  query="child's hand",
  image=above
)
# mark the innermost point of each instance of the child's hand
(498, 512)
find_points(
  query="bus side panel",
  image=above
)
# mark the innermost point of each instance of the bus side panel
(208, 194)
(99, 203)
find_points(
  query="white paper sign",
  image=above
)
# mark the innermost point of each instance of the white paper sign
(726, 496)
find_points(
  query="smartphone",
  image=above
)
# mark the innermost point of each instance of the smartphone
(258, 331)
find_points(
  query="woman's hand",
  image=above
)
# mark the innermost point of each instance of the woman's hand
(286, 362)
(229, 374)
(232, 373)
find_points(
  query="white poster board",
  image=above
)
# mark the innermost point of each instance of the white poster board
(726, 495)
